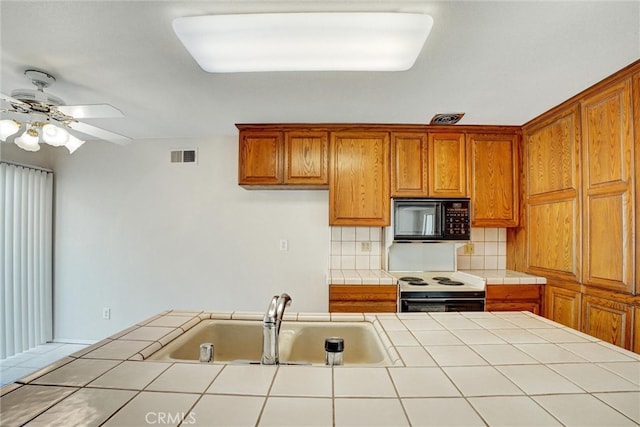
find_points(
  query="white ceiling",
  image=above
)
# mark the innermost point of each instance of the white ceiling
(501, 62)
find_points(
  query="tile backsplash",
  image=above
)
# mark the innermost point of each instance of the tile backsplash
(356, 248)
(362, 248)
(489, 250)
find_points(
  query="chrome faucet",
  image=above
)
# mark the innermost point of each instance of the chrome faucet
(271, 329)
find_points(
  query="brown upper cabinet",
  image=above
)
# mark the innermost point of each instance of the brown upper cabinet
(580, 188)
(306, 159)
(359, 178)
(447, 165)
(494, 169)
(552, 188)
(425, 164)
(409, 164)
(608, 199)
(580, 168)
(365, 165)
(260, 157)
(290, 158)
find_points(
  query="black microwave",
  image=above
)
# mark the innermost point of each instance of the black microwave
(431, 219)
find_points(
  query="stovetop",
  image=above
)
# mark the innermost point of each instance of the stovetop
(438, 281)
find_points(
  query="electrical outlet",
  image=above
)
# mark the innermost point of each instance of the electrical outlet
(365, 246)
(284, 245)
(106, 313)
(469, 248)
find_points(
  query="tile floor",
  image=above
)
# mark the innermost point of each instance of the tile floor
(16, 367)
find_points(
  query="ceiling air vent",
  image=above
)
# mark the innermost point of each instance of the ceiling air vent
(446, 118)
(183, 156)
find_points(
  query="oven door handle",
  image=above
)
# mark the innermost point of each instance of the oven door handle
(440, 299)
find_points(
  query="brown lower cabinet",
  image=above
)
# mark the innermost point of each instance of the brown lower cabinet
(513, 297)
(363, 298)
(563, 305)
(611, 317)
(611, 321)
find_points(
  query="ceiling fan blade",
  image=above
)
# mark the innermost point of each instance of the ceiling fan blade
(99, 133)
(90, 111)
(14, 101)
(13, 115)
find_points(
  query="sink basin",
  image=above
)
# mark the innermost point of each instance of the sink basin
(300, 342)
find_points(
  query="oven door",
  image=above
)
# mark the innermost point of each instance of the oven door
(417, 305)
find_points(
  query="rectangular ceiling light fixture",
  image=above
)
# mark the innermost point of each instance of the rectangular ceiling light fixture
(363, 41)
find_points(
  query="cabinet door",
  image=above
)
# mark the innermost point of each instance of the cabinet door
(494, 166)
(608, 192)
(513, 292)
(306, 158)
(359, 181)
(563, 306)
(552, 171)
(409, 164)
(608, 320)
(514, 297)
(363, 298)
(260, 158)
(447, 165)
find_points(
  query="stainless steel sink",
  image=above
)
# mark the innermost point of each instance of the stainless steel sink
(299, 343)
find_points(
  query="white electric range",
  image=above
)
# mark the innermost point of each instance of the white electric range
(428, 280)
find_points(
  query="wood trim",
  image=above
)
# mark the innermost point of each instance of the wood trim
(636, 330)
(377, 127)
(635, 114)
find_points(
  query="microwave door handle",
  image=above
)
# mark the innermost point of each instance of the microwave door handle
(424, 224)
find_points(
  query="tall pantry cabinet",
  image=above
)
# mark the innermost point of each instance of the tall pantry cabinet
(580, 167)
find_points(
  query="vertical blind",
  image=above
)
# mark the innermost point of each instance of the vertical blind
(26, 199)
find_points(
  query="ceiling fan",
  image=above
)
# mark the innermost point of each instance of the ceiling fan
(41, 115)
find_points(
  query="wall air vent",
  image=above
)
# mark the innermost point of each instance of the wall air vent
(184, 156)
(446, 118)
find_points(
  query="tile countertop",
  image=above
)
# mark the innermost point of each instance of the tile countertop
(475, 368)
(507, 277)
(360, 277)
(382, 277)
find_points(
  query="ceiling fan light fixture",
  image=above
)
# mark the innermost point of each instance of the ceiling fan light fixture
(320, 41)
(28, 140)
(54, 135)
(8, 128)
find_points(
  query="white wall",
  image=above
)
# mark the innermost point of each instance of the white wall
(140, 235)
